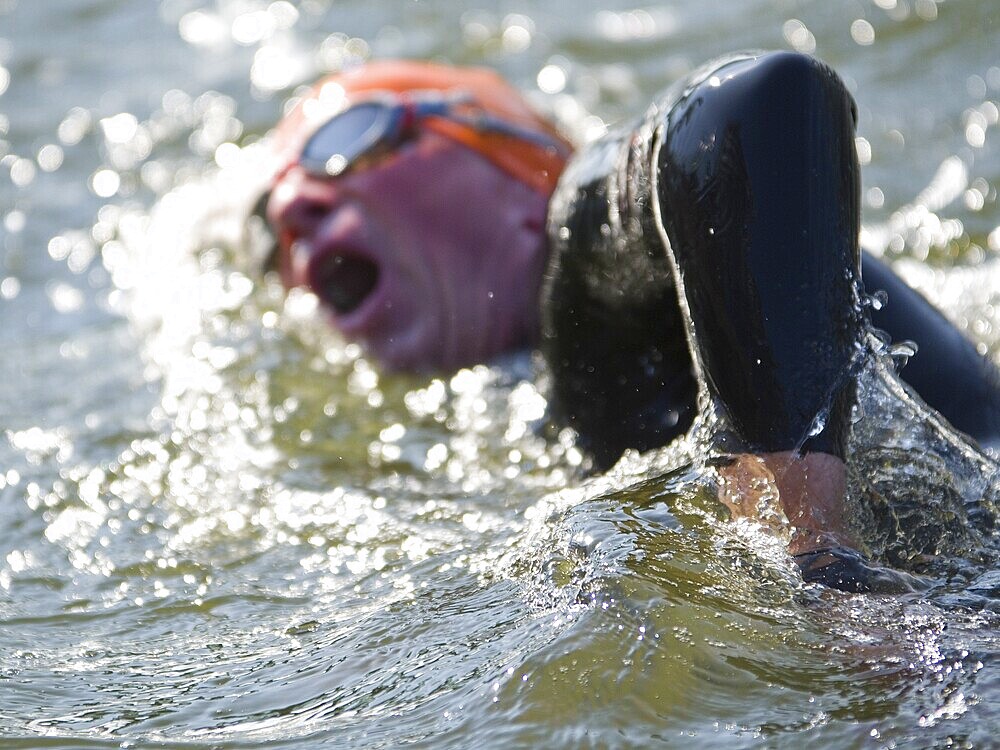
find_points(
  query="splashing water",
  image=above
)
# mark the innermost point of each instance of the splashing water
(226, 528)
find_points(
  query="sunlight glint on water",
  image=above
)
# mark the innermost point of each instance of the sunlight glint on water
(224, 527)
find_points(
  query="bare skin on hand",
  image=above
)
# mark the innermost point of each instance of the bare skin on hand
(809, 489)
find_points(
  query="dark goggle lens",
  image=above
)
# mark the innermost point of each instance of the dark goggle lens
(346, 137)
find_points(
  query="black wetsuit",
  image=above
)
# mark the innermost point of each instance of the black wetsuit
(742, 184)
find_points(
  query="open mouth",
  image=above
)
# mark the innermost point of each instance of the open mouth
(343, 282)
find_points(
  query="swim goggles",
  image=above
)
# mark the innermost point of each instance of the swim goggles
(380, 123)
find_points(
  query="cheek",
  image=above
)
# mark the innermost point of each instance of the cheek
(453, 212)
(499, 222)
(472, 211)
(460, 229)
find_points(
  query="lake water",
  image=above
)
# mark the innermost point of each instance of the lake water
(225, 529)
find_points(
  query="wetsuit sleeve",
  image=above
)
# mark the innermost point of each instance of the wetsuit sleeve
(758, 195)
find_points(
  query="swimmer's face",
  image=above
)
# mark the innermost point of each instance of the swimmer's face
(430, 256)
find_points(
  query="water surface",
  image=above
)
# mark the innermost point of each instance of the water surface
(225, 528)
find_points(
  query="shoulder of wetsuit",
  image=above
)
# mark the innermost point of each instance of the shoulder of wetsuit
(612, 332)
(613, 337)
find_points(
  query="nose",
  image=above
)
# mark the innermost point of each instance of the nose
(300, 209)
(298, 205)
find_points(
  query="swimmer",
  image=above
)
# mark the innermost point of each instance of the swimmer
(420, 204)
(411, 199)
(620, 385)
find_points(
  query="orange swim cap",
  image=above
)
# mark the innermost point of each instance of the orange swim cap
(535, 165)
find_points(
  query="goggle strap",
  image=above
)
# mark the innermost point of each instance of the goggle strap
(484, 122)
(412, 111)
(430, 105)
(400, 118)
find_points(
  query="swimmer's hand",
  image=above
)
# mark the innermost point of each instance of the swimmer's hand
(807, 491)
(846, 570)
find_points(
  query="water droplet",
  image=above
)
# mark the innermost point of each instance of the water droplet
(818, 423)
(878, 299)
(901, 353)
(22, 172)
(336, 164)
(863, 32)
(10, 287)
(551, 79)
(105, 183)
(50, 157)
